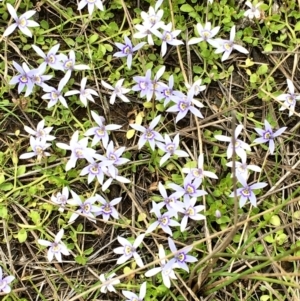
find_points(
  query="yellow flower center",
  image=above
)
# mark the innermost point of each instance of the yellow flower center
(55, 247)
(79, 153)
(51, 59)
(23, 79)
(168, 37)
(54, 95)
(23, 22)
(87, 208)
(190, 189)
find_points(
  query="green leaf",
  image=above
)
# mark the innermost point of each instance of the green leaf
(80, 260)
(186, 8)
(253, 78)
(93, 38)
(297, 26)
(2, 178)
(6, 186)
(3, 212)
(79, 227)
(35, 217)
(275, 220)
(22, 235)
(108, 47)
(262, 69)
(21, 170)
(88, 251)
(44, 24)
(268, 47)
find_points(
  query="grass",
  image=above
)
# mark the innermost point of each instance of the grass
(248, 253)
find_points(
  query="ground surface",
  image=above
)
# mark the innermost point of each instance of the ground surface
(249, 253)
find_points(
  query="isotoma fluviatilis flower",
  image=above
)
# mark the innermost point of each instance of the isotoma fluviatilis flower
(129, 250)
(239, 146)
(4, 282)
(100, 132)
(108, 283)
(246, 192)
(267, 135)
(38, 147)
(181, 257)
(206, 33)
(253, 11)
(127, 50)
(51, 58)
(56, 248)
(21, 22)
(134, 297)
(61, 199)
(118, 91)
(148, 133)
(91, 5)
(170, 148)
(23, 79)
(226, 46)
(166, 268)
(40, 132)
(289, 98)
(85, 94)
(79, 150)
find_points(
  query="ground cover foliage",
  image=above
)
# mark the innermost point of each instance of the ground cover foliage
(118, 178)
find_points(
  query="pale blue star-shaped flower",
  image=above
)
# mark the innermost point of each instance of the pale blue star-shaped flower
(289, 98)
(51, 58)
(181, 258)
(164, 221)
(267, 135)
(170, 148)
(69, 65)
(108, 283)
(107, 209)
(127, 50)
(56, 248)
(226, 46)
(61, 199)
(168, 37)
(246, 192)
(41, 131)
(189, 189)
(199, 172)
(191, 211)
(166, 92)
(134, 297)
(129, 250)
(184, 105)
(100, 132)
(144, 85)
(23, 79)
(37, 76)
(5, 282)
(86, 207)
(242, 168)
(54, 94)
(38, 147)
(118, 91)
(240, 146)
(148, 134)
(21, 22)
(166, 268)
(170, 201)
(206, 33)
(91, 5)
(79, 150)
(85, 94)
